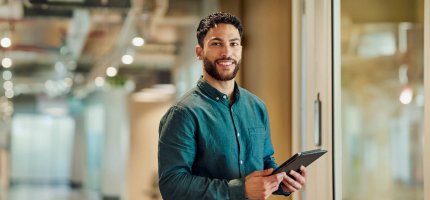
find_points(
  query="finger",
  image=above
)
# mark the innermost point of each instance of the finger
(287, 187)
(298, 177)
(262, 172)
(274, 180)
(277, 178)
(269, 192)
(267, 172)
(274, 188)
(303, 171)
(292, 182)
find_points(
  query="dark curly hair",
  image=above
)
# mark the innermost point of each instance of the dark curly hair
(214, 19)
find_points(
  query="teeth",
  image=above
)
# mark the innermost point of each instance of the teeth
(225, 62)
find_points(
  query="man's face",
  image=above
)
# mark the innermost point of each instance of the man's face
(222, 52)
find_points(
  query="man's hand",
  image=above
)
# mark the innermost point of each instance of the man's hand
(260, 185)
(292, 185)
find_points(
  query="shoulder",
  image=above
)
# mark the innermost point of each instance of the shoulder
(251, 98)
(192, 100)
(187, 104)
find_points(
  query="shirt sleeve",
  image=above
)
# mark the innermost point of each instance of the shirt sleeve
(176, 154)
(269, 160)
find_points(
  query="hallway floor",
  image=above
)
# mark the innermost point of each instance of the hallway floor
(47, 192)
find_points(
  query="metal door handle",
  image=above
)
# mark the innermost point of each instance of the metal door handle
(317, 121)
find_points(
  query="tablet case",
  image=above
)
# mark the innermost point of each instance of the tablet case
(304, 158)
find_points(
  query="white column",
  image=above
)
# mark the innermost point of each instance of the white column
(78, 152)
(115, 150)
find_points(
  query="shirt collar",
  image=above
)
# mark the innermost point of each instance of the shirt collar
(214, 93)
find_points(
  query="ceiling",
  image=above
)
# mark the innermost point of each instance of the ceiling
(61, 46)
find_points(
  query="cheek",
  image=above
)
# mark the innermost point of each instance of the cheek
(238, 52)
(210, 55)
(238, 55)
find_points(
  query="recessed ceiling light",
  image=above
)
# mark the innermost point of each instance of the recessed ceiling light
(127, 59)
(99, 81)
(111, 71)
(138, 41)
(6, 62)
(9, 94)
(5, 42)
(7, 75)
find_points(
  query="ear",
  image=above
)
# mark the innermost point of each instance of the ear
(199, 52)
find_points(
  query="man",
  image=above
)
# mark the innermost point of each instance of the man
(215, 142)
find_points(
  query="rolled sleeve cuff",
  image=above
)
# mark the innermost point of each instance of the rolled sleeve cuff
(236, 189)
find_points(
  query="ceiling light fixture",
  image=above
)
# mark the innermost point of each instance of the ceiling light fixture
(9, 94)
(99, 81)
(8, 85)
(127, 59)
(138, 41)
(6, 62)
(7, 75)
(5, 42)
(406, 95)
(111, 71)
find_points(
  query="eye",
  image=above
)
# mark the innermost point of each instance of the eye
(216, 44)
(234, 44)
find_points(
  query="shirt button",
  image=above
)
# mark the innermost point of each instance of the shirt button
(217, 98)
(225, 97)
(241, 162)
(238, 134)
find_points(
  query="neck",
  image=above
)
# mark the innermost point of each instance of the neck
(226, 87)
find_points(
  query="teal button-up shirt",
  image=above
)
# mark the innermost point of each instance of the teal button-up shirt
(207, 146)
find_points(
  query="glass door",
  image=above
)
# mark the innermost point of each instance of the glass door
(382, 100)
(375, 97)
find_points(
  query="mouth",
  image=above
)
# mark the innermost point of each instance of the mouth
(225, 63)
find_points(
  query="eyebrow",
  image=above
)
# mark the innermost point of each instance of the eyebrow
(219, 39)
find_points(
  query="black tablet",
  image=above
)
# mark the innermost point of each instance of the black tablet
(304, 158)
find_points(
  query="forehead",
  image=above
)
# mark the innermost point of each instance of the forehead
(223, 32)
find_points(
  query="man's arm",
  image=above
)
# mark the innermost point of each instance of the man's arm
(269, 160)
(176, 154)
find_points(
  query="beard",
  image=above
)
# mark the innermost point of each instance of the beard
(210, 68)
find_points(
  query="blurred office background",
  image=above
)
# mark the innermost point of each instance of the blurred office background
(85, 82)
(382, 99)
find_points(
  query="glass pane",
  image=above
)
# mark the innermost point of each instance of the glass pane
(382, 99)
(40, 148)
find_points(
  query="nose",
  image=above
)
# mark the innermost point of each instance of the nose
(226, 51)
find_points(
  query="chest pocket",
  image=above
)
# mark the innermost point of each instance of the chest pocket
(257, 137)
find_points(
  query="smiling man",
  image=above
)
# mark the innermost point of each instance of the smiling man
(215, 142)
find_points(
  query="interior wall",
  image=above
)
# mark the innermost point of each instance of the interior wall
(142, 173)
(266, 68)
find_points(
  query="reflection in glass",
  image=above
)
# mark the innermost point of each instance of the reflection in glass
(382, 109)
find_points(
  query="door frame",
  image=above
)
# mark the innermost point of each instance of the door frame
(426, 144)
(336, 103)
(312, 75)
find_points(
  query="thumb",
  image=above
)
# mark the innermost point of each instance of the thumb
(265, 172)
